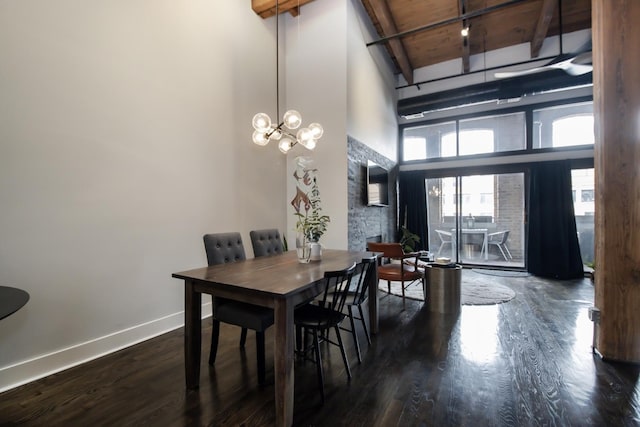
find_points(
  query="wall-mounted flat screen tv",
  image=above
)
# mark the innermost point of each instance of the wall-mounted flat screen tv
(377, 185)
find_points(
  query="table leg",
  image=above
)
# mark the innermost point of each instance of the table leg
(484, 247)
(283, 361)
(373, 303)
(453, 249)
(192, 334)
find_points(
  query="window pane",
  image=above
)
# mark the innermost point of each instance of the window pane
(432, 141)
(492, 134)
(582, 183)
(489, 229)
(414, 149)
(563, 126)
(476, 141)
(448, 145)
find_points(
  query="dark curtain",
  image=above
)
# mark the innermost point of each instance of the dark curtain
(413, 206)
(553, 251)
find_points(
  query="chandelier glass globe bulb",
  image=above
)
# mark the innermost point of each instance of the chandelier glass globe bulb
(285, 145)
(260, 138)
(292, 119)
(261, 122)
(305, 136)
(316, 130)
(310, 144)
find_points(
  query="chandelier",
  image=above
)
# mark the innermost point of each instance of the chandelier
(283, 131)
(266, 131)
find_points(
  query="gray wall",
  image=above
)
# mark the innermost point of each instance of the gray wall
(369, 221)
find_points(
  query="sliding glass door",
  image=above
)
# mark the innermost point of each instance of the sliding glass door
(477, 219)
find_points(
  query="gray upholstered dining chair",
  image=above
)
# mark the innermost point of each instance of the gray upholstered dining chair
(223, 248)
(266, 242)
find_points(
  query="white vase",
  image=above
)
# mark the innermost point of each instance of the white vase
(316, 251)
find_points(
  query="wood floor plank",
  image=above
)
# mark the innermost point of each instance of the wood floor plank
(524, 362)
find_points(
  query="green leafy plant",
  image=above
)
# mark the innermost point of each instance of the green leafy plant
(408, 240)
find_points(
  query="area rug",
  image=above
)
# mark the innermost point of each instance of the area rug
(476, 289)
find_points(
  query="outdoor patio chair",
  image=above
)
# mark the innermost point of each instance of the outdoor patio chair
(499, 239)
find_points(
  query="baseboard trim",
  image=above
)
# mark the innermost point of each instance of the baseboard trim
(24, 372)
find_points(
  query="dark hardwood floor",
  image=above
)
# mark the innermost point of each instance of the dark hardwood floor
(527, 362)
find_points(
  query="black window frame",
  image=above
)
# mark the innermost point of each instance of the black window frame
(528, 112)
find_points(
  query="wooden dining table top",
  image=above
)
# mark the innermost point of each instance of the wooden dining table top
(277, 276)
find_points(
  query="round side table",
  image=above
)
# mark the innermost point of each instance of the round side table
(11, 300)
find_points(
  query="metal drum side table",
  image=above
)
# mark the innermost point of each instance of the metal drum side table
(443, 287)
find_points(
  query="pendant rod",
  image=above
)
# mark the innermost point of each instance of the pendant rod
(277, 63)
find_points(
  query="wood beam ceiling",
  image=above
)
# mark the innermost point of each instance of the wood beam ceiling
(546, 13)
(383, 14)
(267, 8)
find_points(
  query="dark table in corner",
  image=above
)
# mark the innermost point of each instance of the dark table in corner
(11, 300)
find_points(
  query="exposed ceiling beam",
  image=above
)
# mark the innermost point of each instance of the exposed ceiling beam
(444, 22)
(267, 8)
(544, 19)
(466, 67)
(383, 14)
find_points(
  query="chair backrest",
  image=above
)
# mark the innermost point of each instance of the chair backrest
(223, 247)
(336, 288)
(389, 250)
(499, 237)
(445, 236)
(266, 242)
(367, 270)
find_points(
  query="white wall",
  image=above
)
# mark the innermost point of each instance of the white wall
(331, 77)
(316, 86)
(371, 95)
(125, 136)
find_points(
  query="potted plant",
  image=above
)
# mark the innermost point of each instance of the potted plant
(408, 240)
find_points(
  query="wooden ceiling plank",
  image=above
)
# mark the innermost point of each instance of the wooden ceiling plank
(469, 15)
(383, 15)
(267, 8)
(542, 27)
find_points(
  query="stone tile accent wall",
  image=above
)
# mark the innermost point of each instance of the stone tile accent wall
(369, 222)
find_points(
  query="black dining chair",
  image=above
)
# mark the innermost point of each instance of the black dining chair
(323, 314)
(223, 248)
(266, 242)
(357, 295)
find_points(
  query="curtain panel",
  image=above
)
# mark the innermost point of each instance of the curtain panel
(413, 206)
(553, 248)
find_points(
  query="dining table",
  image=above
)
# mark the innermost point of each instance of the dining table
(482, 232)
(280, 282)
